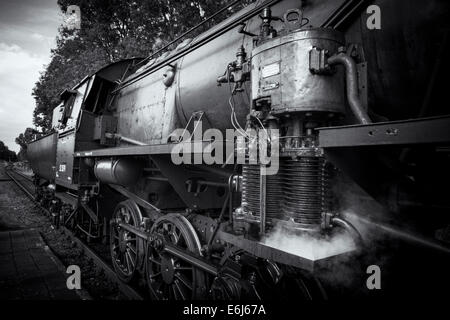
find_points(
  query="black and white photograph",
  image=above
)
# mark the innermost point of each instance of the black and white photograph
(220, 159)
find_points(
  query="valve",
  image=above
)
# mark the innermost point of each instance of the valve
(237, 71)
(266, 29)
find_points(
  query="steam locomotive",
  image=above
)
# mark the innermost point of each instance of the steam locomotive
(325, 94)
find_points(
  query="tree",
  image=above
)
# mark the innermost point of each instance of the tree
(23, 139)
(6, 154)
(71, 61)
(26, 137)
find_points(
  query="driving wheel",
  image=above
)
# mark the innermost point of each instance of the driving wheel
(124, 245)
(168, 277)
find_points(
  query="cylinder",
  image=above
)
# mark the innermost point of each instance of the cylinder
(281, 72)
(124, 172)
(306, 190)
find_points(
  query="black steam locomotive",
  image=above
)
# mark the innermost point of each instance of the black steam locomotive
(165, 157)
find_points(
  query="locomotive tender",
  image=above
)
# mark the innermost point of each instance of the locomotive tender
(308, 70)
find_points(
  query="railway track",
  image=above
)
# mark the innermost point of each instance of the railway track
(25, 183)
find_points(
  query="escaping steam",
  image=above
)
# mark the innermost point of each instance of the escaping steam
(307, 246)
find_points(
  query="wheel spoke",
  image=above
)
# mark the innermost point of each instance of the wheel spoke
(174, 291)
(177, 285)
(130, 258)
(154, 261)
(128, 263)
(178, 235)
(154, 275)
(184, 281)
(129, 247)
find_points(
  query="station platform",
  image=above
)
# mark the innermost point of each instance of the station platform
(29, 270)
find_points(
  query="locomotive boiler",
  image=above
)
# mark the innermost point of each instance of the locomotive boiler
(301, 78)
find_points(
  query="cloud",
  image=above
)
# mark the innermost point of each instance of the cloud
(37, 36)
(28, 32)
(19, 71)
(27, 38)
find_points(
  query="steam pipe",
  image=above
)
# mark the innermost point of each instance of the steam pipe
(340, 222)
(352, 85)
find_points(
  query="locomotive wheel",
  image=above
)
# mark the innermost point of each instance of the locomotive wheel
(125, 247)
(168, 277)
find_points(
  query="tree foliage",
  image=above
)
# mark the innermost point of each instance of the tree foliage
(6, 154)
(26, 137)
(23, 139)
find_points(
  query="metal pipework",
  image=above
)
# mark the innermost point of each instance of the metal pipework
(352, 85)
(340, 222)
(120, 138)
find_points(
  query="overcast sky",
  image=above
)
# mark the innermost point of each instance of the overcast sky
(28, 29)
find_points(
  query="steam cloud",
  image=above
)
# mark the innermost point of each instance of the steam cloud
(307, 246)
